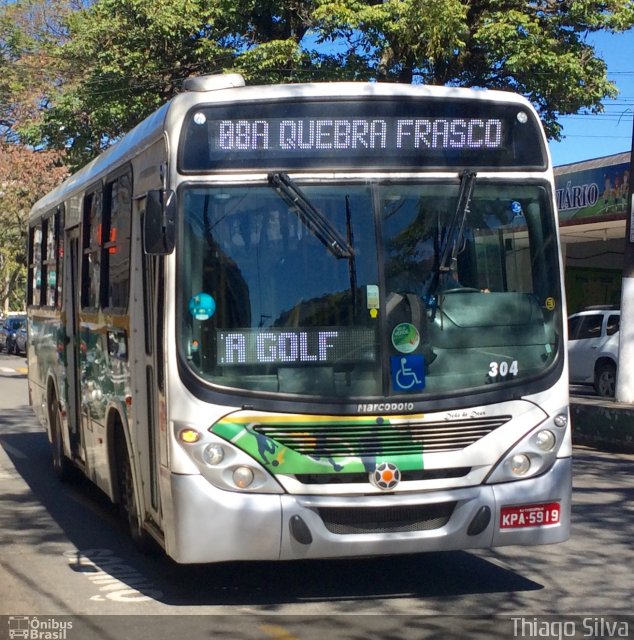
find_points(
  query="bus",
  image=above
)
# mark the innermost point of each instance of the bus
(308, 321)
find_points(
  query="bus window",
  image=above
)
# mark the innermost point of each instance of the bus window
(117, 216)
(91, 262)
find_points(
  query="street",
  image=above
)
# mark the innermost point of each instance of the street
(64, 552)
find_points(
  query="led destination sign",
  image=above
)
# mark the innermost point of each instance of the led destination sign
(357, 134)
(368, 133)
(295, 346)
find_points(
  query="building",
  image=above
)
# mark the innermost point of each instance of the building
(592, 202)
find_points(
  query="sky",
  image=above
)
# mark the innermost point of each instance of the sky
(593, 136)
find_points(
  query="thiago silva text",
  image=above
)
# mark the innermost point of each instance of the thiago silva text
(588, 627)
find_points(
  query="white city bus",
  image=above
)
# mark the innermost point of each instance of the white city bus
(307, 321)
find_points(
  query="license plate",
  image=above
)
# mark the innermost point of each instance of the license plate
(530, 515)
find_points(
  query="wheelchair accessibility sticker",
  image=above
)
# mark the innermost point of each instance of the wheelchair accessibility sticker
(408, 372)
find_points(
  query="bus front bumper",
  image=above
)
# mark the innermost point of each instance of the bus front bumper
(207, 524)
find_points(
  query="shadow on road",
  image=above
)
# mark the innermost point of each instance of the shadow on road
(78, 513)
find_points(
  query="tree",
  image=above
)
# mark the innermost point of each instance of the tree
(30, 30)
(25, 176)
(117, 60)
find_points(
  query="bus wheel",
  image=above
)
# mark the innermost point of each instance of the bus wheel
(61, 464)
(128, 505)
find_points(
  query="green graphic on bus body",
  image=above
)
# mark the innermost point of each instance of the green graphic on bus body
(341, 446)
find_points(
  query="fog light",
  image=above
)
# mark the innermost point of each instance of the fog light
(545, 440)
(189, 436)
(243, 477)
(520, 464)
(561, 420)
(213, 454)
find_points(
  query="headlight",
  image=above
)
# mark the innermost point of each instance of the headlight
(213, 454)
(519, 464)
(561, 420)
(545, 440)
(243, 477)
(224, 465)
(534, 454)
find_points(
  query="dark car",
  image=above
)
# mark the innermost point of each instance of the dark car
(21, 340)
(9, 330)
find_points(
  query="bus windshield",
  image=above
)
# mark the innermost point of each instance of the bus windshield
(374, 289)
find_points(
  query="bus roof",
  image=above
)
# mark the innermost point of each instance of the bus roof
(228, 88)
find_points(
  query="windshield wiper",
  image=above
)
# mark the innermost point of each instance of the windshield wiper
(450, 249)
(312, 218)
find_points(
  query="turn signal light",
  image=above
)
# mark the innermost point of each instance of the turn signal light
(189, 436)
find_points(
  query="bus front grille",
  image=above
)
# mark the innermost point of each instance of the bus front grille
(386, 519)
(351, 439)
(406, 476)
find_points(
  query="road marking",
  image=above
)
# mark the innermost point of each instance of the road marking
(116, 581)
(19, 370)
(16, 453)
(277, 632)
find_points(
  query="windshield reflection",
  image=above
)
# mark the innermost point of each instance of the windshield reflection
(267, 305)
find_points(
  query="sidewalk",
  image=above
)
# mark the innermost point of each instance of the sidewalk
(602, 422)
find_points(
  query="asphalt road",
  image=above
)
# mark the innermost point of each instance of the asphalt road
(65, 559)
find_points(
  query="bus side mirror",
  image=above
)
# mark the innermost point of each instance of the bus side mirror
(159, 222)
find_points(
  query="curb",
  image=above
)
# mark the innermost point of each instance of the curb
(604, 424)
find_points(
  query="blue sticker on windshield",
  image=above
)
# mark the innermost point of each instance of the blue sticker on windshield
(408, 372)
(202, 306)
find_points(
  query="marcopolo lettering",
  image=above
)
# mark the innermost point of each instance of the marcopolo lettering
(385, 407)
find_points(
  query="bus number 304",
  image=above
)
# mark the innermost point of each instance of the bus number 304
(503, 369)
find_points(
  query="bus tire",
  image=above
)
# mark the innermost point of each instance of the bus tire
(128, 504)
(62, 466)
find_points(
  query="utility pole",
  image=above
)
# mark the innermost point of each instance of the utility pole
(625, 370)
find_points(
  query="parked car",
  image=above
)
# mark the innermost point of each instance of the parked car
(593, 348)
(21, 339)
(8, 332)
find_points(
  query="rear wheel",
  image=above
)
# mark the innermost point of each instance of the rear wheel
(605, 379)
(128, 504)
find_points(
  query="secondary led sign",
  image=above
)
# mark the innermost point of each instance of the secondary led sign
(295, 346)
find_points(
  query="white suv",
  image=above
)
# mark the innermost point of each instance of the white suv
(593, 348)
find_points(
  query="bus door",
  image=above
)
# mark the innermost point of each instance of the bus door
(71, 328)
(153, 311)
(146, 366)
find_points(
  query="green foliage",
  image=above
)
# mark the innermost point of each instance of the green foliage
(25, 176)
(77, 74)
(110, 63)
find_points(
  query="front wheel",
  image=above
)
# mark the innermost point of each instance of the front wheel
(128, 503)
(605, 379)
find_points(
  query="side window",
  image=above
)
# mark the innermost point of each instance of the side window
(613, 324)
(590, 327)
(51, 260)
(91, 250)
(116, 224)
(35, 266)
